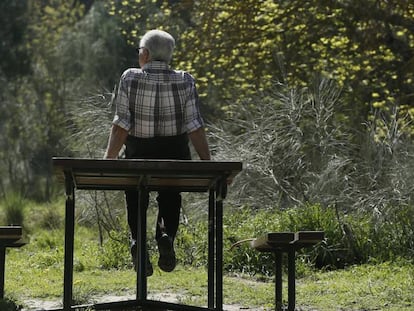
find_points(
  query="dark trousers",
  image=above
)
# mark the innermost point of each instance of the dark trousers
(169, 201)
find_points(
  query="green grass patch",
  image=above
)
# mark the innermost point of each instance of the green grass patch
(36, 272)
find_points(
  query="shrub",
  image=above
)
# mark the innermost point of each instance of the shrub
(50, 219)
(349, 238)
(244, 225)
(391, 235)
(47, 239)
(296, 149)
(115, 251)
(9, 304)
(14, 205)
(47, 246)
(192, 244)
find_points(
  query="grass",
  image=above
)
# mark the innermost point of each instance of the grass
(36, 272)
(383, 286)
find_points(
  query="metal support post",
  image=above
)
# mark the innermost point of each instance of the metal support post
(2, 270)
(69, 242)
(142, 244)
(278, 281)
(291, 279)
(211, 248)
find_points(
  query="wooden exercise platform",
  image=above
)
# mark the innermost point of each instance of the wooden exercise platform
(286, 242)
(146, 175)
(10, 236)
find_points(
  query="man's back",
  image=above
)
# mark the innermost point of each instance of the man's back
(158, 101)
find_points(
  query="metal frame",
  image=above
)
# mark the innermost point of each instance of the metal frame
(3, 245)
(146, 176)
(286, 242)
(10, 237)
(291, 279)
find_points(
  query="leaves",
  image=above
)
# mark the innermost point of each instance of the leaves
(237, 49)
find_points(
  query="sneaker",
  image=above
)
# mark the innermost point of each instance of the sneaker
(148, 267)
(167, 260)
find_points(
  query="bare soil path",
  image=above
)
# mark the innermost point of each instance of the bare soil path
(40, 304)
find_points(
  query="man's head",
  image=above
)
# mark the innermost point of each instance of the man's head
(156, 45)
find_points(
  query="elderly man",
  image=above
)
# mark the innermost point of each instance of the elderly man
(157, 114)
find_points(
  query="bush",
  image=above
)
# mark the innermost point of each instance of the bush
(50, 219)
(296, 149)
(191, 244)
(9, 304)
(391, 235)
(13, 206)
(47, 246)
(349, 238)
(246, 225)
(115, 251)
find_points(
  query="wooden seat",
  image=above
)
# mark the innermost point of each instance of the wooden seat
(10, 236)
(286, 242)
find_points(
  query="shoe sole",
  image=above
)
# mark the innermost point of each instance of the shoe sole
(167, 260)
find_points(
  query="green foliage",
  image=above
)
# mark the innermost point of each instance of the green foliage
(192, 244)
(246, 225)
(46, 239)
(366, 47)
(52, 258)
(386, 286)
(93, 54)
(360, 287)
(47, 249)
(293, 143)
(368, 285)
(391, 235)
(31, 114)
(9, 304)
(298, 151)
(115, 253)
(71, 54)
(51, 219)
(349, 238)
(13, 209)
(15, 60)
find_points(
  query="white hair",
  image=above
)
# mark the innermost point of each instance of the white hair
(160, 45)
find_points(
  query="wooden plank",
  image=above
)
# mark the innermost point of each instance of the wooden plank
(195, 167)
(82, 181)
(309, 237)
(280, 237)
(190, 175)
(273, 240)
(10, 232)
(283, 240)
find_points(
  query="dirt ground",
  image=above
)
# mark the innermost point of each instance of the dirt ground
(39, 305)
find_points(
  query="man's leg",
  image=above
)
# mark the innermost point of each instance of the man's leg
(169, 206)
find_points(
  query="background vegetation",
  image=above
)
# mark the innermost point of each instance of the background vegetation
(314, 97)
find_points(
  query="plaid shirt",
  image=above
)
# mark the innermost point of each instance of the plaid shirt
(157, 101)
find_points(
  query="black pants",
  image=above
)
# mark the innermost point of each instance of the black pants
(169, 201)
